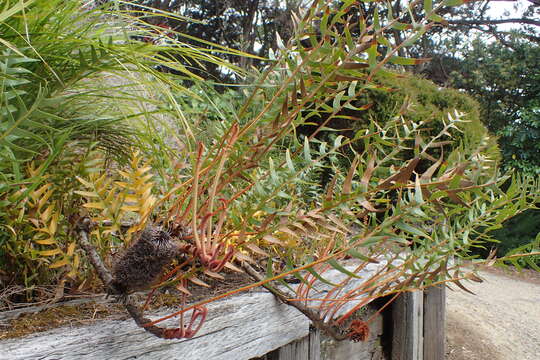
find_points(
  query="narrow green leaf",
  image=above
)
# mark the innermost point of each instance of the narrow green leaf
(336, 265)
(319, 277)
(428, 6)
(307, 151)
(360, 256)
(372, 55)
(410, 229)
(453, 2)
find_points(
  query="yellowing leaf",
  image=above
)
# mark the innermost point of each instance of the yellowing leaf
(76, 262)
(71, 249)
(148, 203)
(88, 194)
(53, 224)
(50, 252)
(43, 230)
(36, 194)
(134, 208)
(44, 199)
(84, 182)
(46, 214)
(122, 184)
(131, 198)
(288, 231)
(94, 205)
(59, 264)
(144, 169)
(146, 178)
(49, 241)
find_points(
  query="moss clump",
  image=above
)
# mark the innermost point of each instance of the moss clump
(57, 316)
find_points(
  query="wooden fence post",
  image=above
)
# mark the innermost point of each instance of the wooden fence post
(407, 315)
(434, 322)
(307, 348)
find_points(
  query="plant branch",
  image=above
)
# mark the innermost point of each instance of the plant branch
(494, 21)
(310, 314)
(83, 229)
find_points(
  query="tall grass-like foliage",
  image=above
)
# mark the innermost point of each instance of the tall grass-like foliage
(242, 197)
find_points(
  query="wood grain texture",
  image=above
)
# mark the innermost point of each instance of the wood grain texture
(307, 348)
(297, 350)
(434, 323)
(407, 334)
(348, 350)
(315, 344)
(245, 326)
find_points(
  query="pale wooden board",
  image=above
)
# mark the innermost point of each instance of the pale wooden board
(435, 323)
(364, 350)
(245, 326)
(307, 348)
(242, 327)
(407, 314)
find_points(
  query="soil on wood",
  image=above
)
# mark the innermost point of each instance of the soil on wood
(500, 322)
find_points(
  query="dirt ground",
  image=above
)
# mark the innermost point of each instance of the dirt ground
(502, 322)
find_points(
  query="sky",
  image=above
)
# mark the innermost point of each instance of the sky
(497, 9)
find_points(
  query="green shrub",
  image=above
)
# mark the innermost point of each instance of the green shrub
(519, 233)
(427, 101)
(416, 100)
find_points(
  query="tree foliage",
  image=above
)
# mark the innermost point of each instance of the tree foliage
(506, 81)
(250, 26)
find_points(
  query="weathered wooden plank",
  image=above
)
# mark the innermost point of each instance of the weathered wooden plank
(314, 344)
(347, 350)
(241, 327)
(407, 334)
(296, 350)
(236, 329)
(307, 348)
(434, 323)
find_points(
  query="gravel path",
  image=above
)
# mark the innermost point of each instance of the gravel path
(502, 322)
